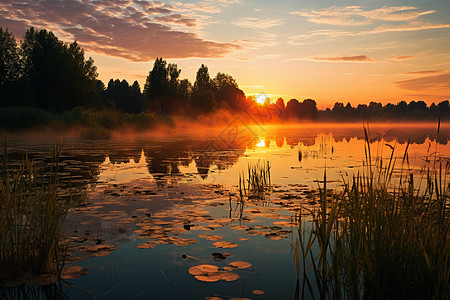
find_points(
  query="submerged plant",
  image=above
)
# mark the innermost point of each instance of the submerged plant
(378, 238)
(30, 220)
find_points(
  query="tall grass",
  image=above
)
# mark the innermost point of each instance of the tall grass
(380, 238)
(30, 220)
(256, 183)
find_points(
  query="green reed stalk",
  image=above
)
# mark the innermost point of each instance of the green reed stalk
(30, 220)
(257, 182)
(378, 239)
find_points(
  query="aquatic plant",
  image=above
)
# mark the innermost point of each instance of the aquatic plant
(30, 220)
(379, 238)
(257, 182)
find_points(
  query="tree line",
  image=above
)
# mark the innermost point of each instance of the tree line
(46, 73)
(52, 75)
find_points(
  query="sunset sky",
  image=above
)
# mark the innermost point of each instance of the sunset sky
(357, 51)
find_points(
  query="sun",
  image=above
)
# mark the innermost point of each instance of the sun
(260, 99)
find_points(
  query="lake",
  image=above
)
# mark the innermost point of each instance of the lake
(152, 208)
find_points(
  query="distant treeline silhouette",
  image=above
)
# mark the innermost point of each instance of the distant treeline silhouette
(45, 74)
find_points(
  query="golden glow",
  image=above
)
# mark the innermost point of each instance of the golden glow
(260, 99)
(261, 143)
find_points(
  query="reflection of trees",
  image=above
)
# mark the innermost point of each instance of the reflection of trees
(165, 159)
(280, 141)
(80, 160)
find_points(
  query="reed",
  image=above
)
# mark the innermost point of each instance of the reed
(380, 238)
(257, 182)
(30, 220)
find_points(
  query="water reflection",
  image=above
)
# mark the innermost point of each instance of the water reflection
(145, 207)
(193, 158)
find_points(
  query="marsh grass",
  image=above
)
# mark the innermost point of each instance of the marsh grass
(379, 238)
(257, 182)
(30, 220)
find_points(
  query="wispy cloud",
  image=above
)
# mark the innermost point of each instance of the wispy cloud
(206, 6)
(356, 15)
(412, 26)
(357, 58)
(136, 30)
(424, 72)
(331, 34)
(403, 57)
(439, 82)
(257, 23)
(177, 19)
(318, 33)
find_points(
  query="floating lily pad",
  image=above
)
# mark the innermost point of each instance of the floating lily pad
(225, 245)
(240, 264)
(203, 269)
(258, 292)
(208, 278)
(210, 273)
(210, 237)
(228, 276)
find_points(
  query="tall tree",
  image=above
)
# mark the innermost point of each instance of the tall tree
(164, 91)
(10, 70)
(203, 99)
(59, 76)
(9, 58)
(203, 81)
(227, 92)
(123, 97)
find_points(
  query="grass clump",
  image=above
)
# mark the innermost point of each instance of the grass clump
(257, 182)
(30, 220)
(380, 239)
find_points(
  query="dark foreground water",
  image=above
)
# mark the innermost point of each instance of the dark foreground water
(150, 209)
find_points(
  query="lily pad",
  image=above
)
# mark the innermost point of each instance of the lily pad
(225, 245)
(240, 264)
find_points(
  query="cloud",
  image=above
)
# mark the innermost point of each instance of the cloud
(413, 26)
(404, 57)
(356, 15)
(322, 32)
(395, 13)
(424, 72)
(177, 19)
(428, 83)
(207, 6)
(358, 58)
(341, 16)
(331, 34)
(257, 23)
(136, 30)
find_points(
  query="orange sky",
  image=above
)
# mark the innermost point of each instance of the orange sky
(360, 51)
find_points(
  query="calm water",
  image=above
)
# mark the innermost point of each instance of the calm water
(151, 208)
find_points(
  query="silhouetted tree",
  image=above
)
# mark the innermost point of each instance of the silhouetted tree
(185, 89)
(163, 90)
(59, 76)
(203, 99)
(203, 81)
(443, 107)
(309, 109)
(227, 92)
(123, 97)
(156, 85)
(9, 58)
(10, 70)
(293, 108)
